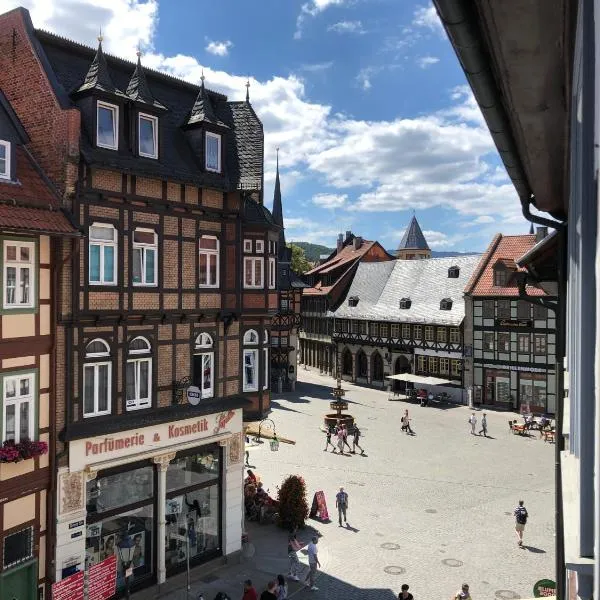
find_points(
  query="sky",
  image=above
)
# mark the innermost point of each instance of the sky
(365, 100)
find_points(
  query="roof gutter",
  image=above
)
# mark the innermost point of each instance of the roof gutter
(459, 20)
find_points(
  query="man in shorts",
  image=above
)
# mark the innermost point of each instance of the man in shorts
(521, 516)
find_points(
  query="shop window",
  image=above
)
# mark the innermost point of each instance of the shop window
(194, 469)
(488, 309)
(148, 136)
(18, 407)
(488, 341)
(19, 271)
(421, 363)
(18, 548)
(444, 366)
(540, 312)
(523, 309)
(96, 379)
(213, 152)
(107, 126)
(208, 261)
(504, 309)
(139, 375)
(539, 343)
(204, 365)
(250, 362)
(253, 272)
(454, 335)
(102, 254)
(503, 342)
(377, 367)
(442, 334)
(145, 250)
(417, 332)
(272, 274)
(523, 343)
(428, 333)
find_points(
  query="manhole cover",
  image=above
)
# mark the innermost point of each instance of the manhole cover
(393, 570)
(452, 562)
(431, 511)
(391, 546)
(506, 595)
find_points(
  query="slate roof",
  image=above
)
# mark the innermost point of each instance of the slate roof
(68, 64)
(255, 213)
(138, 89)
(380, 286)
(202, 111)
(413, 238)
(98, 76)
(504, 250)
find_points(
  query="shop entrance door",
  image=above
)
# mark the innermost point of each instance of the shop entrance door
(21, 584)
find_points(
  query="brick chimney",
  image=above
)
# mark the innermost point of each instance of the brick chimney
(540, 234)
(357, 242)
(340, 242)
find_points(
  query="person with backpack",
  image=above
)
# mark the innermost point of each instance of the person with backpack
(521, 516)
(293, 546)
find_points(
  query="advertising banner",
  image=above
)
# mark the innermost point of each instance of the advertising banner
(69, 588)
(103, 579)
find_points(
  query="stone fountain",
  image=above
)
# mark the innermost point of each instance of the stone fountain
(339, 405)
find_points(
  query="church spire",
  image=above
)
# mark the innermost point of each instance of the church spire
(413, 244)
(278, 208)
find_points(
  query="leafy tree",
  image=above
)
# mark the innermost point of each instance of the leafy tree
(293, 505)
(299, 262)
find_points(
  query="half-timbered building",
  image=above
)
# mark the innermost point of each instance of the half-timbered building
(329, 282)
(513, 341)
(404, 316)
(31, 222)
(287, 320)
(163, 310)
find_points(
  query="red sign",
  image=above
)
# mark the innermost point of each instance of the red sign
(103, 579)
(319, 507)
(69, 588)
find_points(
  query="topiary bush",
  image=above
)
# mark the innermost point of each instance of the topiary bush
(293, 506)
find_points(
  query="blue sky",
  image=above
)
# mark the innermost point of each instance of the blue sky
(364, 98)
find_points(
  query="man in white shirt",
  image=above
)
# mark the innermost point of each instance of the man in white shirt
(473, 421)
(313, 564)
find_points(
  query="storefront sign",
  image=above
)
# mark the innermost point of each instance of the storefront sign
(76, 524)
(527, 369)
(193, 395)
(103, 579)
(319, 507)
(513, 323)
(87, 452)
(544, 588)
(69, 588)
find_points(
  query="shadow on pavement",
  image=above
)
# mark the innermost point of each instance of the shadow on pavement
(534, 549)
(278, 406)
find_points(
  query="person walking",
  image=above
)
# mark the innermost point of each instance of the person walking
(293, 546)
(521, 516)
(473, 422)
(406, 423)
(313, 564)
(249, 591)
(341, 503)
(483, 425)
(282, 588)
(405, 594)
(271, 592)
(355, 440)
(345, 437)
(340, 440)
(328, 439)
(463, 593)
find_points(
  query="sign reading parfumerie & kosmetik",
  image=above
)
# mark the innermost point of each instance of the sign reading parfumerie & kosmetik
(88, 451)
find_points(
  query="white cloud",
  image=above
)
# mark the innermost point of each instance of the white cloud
(438, 240)
(306, 230)
(427, 61)
(484, 219)
(330, 200)
(219, 48)
(312, 9)
(427, 17)
(347, 27)
(365, 75)
(317, 67)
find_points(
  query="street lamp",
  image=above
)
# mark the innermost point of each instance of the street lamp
(126, 550)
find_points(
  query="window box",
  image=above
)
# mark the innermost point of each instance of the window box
(107, 126)
(148, 136)
(23, 450)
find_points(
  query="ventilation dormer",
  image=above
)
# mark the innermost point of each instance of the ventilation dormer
(353, 301)
(453, 272)
(446, 304)
(405, 303)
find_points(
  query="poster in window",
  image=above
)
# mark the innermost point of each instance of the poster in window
(92, 544)
(174, 506)
(138, 542)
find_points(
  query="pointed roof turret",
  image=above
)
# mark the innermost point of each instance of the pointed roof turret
(413, 238)
(531, 229)
(278, 208)
(202, 111)
(98, 76)
(138, 89)
(248, 90)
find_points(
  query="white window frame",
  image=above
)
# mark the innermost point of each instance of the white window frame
(218, 138)
(17, 401)
(6, 173)
(272, 274)
(254, 353)
(115, 110)
(254, 260)
(141, 355)
(96, 366)
(260, 246)
(248, 341)
(247, 246)
(209, 253)
(205, 347)
(144, 247)
(103, 243)
(19, 265)
(154, 121)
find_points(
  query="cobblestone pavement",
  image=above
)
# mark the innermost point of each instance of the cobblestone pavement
(431, 510)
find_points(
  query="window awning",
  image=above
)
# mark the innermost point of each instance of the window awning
(420, 379)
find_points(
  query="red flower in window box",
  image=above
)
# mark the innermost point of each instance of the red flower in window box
(11, 452)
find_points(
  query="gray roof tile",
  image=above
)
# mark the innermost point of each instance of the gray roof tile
(413, 238)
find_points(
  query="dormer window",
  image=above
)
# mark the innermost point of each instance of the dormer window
(453, 272)
(107, 126)
(446, 304)
(213, 152)
(353, 301)
(148, 136)
(4, 160)
(501, 277)
(405, 303)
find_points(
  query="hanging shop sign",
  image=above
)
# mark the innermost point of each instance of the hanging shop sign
(513, 323)
(544, 588)
(69, 588)
(86, 452)
(193, 394)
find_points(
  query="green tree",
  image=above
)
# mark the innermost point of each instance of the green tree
(293, 505)
(299, 262)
